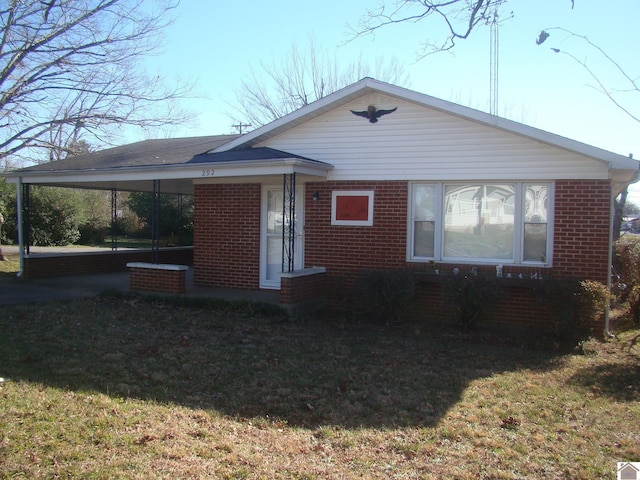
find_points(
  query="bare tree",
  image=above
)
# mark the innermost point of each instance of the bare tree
(302, 77)
(459, 17)
(70, 69)
(620, 95)
(626, 84)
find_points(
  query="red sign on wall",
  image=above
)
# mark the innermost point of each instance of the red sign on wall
(352, 208)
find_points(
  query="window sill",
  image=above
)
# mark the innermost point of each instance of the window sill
(432, 277)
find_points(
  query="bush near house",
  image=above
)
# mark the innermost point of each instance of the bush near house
(469, 294)
(627, 279)
(575, 306)
(387, 292)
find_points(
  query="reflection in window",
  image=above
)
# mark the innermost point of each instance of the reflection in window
(424, 220)
(479, 221)
(491, 222)
(535, 223)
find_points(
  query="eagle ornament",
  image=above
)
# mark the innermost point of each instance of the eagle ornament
(372, 113)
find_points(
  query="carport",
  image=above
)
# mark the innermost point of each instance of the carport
(170, 166)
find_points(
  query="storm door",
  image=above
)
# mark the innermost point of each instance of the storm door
(275, 220)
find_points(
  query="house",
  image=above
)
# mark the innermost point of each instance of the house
(376, 177)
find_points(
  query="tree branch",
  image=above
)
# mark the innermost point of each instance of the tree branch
(78, 63)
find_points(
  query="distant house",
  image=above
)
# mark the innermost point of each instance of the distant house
(428, 185)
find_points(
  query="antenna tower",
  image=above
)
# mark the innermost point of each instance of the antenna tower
(493, 64)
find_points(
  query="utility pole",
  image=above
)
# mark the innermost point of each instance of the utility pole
(239, 126)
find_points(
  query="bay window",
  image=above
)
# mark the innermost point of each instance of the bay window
(479, 222)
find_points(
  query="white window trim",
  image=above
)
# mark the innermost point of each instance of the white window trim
(352, 193)
(518, 250)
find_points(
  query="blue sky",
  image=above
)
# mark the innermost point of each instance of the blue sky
(215, 45)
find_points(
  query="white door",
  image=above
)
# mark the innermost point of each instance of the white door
(271, 241)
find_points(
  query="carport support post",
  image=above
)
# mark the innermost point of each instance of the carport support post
(288, 222)
(19, 214)
(114, 220)
(181, 225)
(155, 223)
(25, 232)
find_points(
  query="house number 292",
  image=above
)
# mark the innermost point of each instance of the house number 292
(208, 172)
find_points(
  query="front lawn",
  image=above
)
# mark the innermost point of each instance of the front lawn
(125, 387)
(10, 266)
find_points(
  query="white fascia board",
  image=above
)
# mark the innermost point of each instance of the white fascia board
(192, 171)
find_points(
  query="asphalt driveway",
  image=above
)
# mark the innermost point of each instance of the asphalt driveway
(19, 290)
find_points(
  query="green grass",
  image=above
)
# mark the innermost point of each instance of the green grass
(10, 266)
(127, 387)
(128, 242)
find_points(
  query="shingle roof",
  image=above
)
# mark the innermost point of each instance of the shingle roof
(260, 153)
(168, 151)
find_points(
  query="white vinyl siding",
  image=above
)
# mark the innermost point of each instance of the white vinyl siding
(416, 142)
(480, 222)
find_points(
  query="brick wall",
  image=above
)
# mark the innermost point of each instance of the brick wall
(519, 304)
(227, 241)
(303, 291)
(155, 279)
(52, 265)
(303, 288)
(347, 249)
(581, 230)
(226, 236)
(581, 235)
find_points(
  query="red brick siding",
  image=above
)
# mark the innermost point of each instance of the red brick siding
(227, 242)
(226, 236)
(581, 233)
(581, 230)
(518, 306)
(302, 289)
(39, 266)
(153, 280)
(348, 249)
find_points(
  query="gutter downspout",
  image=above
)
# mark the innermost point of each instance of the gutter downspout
(607, 310)
(20, 229)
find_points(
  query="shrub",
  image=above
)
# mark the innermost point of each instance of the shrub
(627, 266)
(469, 294)
(54, 216)
(574, 306)
(387, 292)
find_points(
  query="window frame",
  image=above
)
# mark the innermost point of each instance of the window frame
(520, 189)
